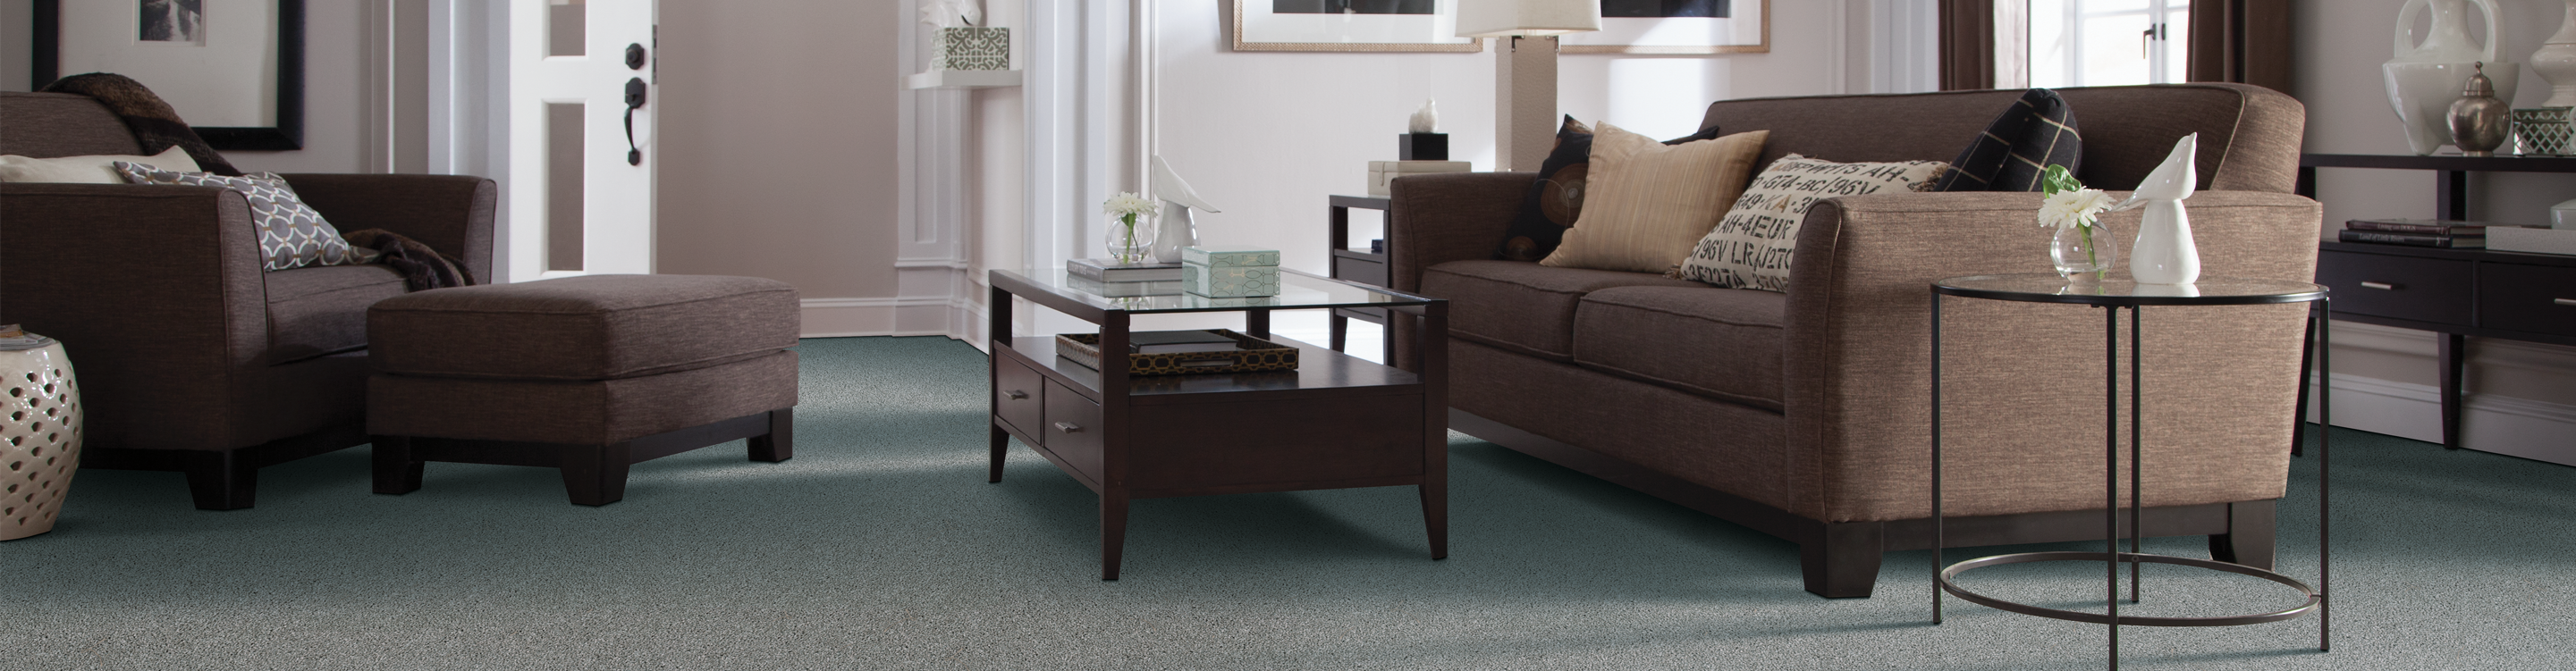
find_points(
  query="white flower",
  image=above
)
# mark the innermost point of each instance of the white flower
(1128, 203)
(2069, 209)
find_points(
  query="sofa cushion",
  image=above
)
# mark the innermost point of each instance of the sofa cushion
(88, 169)
(1520, 306)
(2031, 134)
(1753, 246)
(594, 327)
(1649, 202)
(1727, 344)
(323, 310)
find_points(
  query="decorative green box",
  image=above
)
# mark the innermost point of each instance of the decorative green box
(972, 48)
(1231, 256)
(1234, 282)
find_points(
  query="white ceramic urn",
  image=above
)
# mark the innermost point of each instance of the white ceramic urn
(2556, 62)
(2426, 77)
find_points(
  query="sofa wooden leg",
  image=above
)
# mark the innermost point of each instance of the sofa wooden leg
(2249, 537)
(595, 475)
(395, 469)
(1841, 562)
(780, 443)
(222, 480)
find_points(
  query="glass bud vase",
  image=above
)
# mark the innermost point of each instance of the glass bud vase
(1131, 244)
(2083, 253)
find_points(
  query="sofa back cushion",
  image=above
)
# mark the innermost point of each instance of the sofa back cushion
(50, 125)
(2249, 135)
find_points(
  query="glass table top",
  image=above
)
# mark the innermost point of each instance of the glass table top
(1297, 290)
(2120, 290)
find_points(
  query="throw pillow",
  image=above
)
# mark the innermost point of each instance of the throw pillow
(1750, 249)
(2037, 130)
(1648, 200)
(291, 235)
(87, 169)
(1555, 200)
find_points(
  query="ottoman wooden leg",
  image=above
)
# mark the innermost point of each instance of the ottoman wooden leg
(780, 443)
(595, 475)
(397, 472)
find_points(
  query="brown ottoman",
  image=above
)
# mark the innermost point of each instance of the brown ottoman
(585, 374)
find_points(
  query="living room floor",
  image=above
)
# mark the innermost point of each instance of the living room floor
(881, 546)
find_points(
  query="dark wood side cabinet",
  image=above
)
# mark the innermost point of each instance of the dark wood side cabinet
(1350, 265)
(2456, 293)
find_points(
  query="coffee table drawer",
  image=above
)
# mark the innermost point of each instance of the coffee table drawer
(2398, 287)
(1018, 394)
(1072, 429)
(2538, 299)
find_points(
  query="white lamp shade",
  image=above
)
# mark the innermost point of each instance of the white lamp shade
(1505, 18)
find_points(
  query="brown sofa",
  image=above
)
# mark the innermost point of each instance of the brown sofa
(1806, 414)
(191, 358)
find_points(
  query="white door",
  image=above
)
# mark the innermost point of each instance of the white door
(2108, 42)
(581, 157)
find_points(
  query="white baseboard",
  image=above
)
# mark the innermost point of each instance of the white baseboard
(2499, 424)
(848, 317)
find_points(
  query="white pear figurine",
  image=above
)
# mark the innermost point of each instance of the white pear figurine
(1178, 199)
(2165, 253)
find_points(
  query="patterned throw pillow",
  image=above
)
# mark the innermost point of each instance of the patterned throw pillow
(291, 235)
(2037, 130)
(1650, 201)
(1750, 248)
(1556, 199)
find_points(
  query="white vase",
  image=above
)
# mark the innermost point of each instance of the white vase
(2423, 79)
(1178, 231)
(2165, 253)
(40, 437)
(2556, 62)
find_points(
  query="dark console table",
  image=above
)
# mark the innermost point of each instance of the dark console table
(1350, 265)
(2454, 292)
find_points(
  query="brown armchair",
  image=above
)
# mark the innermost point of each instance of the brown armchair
(191, 357)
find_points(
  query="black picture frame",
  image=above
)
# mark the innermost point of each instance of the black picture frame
(288, 135)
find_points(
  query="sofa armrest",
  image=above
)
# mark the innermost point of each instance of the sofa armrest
(2022, 389)
(157, 294)
(1437, 218)
(448, 212)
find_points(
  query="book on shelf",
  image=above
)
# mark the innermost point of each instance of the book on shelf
(1121, 289)
(2413, 239)
(2449, 227)
(1105, 270)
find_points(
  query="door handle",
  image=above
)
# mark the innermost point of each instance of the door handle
(2382, 286)
(634, 99)
(1015, 394)
(1068, 427)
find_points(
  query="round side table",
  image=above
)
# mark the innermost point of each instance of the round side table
(2112, 296)
(40, 433)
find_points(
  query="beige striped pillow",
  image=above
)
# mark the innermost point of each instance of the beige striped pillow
(1647, 202)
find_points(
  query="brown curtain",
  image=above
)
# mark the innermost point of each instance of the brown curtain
(2241, 41)
(1968, 44)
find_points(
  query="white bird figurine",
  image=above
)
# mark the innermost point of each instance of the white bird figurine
(1178, 199)
(951, 13)
(2164, 253)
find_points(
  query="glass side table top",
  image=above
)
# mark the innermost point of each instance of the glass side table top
(1297, 290)
(2049, 288)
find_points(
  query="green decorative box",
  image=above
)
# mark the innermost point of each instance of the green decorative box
(1230, 256)
(1233, 282)
(972, 48)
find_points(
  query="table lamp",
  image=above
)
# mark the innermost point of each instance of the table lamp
(1525, 69)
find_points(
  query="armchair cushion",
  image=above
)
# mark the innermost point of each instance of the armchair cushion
(322, 310)
(291, 235)
(1523, 307)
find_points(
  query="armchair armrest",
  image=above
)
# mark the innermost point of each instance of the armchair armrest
(450, 213)
(2022, 388)
(1442, 217)
(157, 294)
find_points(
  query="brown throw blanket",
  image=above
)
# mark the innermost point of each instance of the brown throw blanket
(422, 268)
(155, 125)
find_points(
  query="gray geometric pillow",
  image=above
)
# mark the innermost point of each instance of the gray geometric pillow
(291, 235)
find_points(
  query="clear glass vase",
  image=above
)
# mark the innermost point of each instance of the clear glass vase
(2083, 253)
(1131, 243)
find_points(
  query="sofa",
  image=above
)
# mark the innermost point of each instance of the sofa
(192, 358)
(1806, 414)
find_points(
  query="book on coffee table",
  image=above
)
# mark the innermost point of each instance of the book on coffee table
(1105, 270)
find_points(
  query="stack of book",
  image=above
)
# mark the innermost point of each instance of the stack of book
(1105, 277)
(2419, 232)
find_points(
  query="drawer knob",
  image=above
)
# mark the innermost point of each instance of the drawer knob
(2382, 286)
(1015, 394)
(1068, 427)
(2565, 301)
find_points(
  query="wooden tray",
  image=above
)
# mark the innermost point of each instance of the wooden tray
(1256, 355)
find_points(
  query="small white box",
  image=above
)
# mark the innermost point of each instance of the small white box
(1382, 173)
(2532, 240)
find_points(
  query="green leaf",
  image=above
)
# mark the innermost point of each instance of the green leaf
(2058, 179)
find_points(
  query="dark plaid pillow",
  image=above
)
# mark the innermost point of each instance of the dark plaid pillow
(1556, 199)
(2037, 130)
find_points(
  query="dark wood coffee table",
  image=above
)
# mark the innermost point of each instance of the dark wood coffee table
(1337, 421)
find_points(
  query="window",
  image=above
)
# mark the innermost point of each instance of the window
(2107, 42)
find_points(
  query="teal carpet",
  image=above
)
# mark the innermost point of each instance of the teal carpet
(881, 546)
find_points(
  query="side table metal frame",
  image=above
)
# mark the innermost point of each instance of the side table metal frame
(2316, 339)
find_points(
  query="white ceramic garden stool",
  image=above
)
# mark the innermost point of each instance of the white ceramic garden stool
(43, 434)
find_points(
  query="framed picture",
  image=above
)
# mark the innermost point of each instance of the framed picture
(1676, 27)
(233, 68)
(1349, 25)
